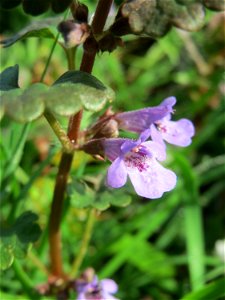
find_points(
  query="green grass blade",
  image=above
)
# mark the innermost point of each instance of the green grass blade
(18, 151)
(212, 291)
(193, 224)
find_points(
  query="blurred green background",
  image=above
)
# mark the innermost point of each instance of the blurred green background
(154, 250)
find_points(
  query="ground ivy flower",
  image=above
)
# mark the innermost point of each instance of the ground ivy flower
(158, 120)
(140, 120)
(138, 160)
(96, 289)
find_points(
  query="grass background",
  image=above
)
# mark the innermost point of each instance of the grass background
(155, 250)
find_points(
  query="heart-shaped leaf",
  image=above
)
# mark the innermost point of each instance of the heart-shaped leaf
(73, 91)
(16, 240)
(41, 29)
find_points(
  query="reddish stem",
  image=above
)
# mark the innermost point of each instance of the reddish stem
(88, 58)
(55, 215)
(99, 20)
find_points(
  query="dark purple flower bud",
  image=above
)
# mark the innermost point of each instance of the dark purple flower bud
(79, 12)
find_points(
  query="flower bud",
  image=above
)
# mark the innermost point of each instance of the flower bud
(107, 128)
(94, 147)
(73, 33)
(80, 12)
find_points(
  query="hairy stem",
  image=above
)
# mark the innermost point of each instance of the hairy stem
(66, 159)
(84, 243)
(60, 133)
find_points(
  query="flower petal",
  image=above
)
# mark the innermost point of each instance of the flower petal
(169, 103)
(178, 132)
(144, 135)
(157, 150)
(81, 296)
(139, 120)
(112, 147)
(128, 145)
(109, 285)
(117, 174)
(153, 182)
(156, 135)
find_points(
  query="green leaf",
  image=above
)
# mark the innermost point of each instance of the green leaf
(12, 297)
(90, 92)
(27, 105)
(63, 99)
(140, 254)
(193, 223)
(6, 249)
(15, 143)
(80, 77)
(16, 240)
(112, 198)
(9, 78)
(214, 290)
(73, 91)
(83, 196)
(40, 29)
(26, 228)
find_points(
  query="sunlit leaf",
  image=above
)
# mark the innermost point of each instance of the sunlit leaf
(6, 249)
(70, 93)
(27, 105)
(63, 99)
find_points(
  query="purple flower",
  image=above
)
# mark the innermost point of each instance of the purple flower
(158, 120)
(140, 120)
(96, 290)
(138, 160)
